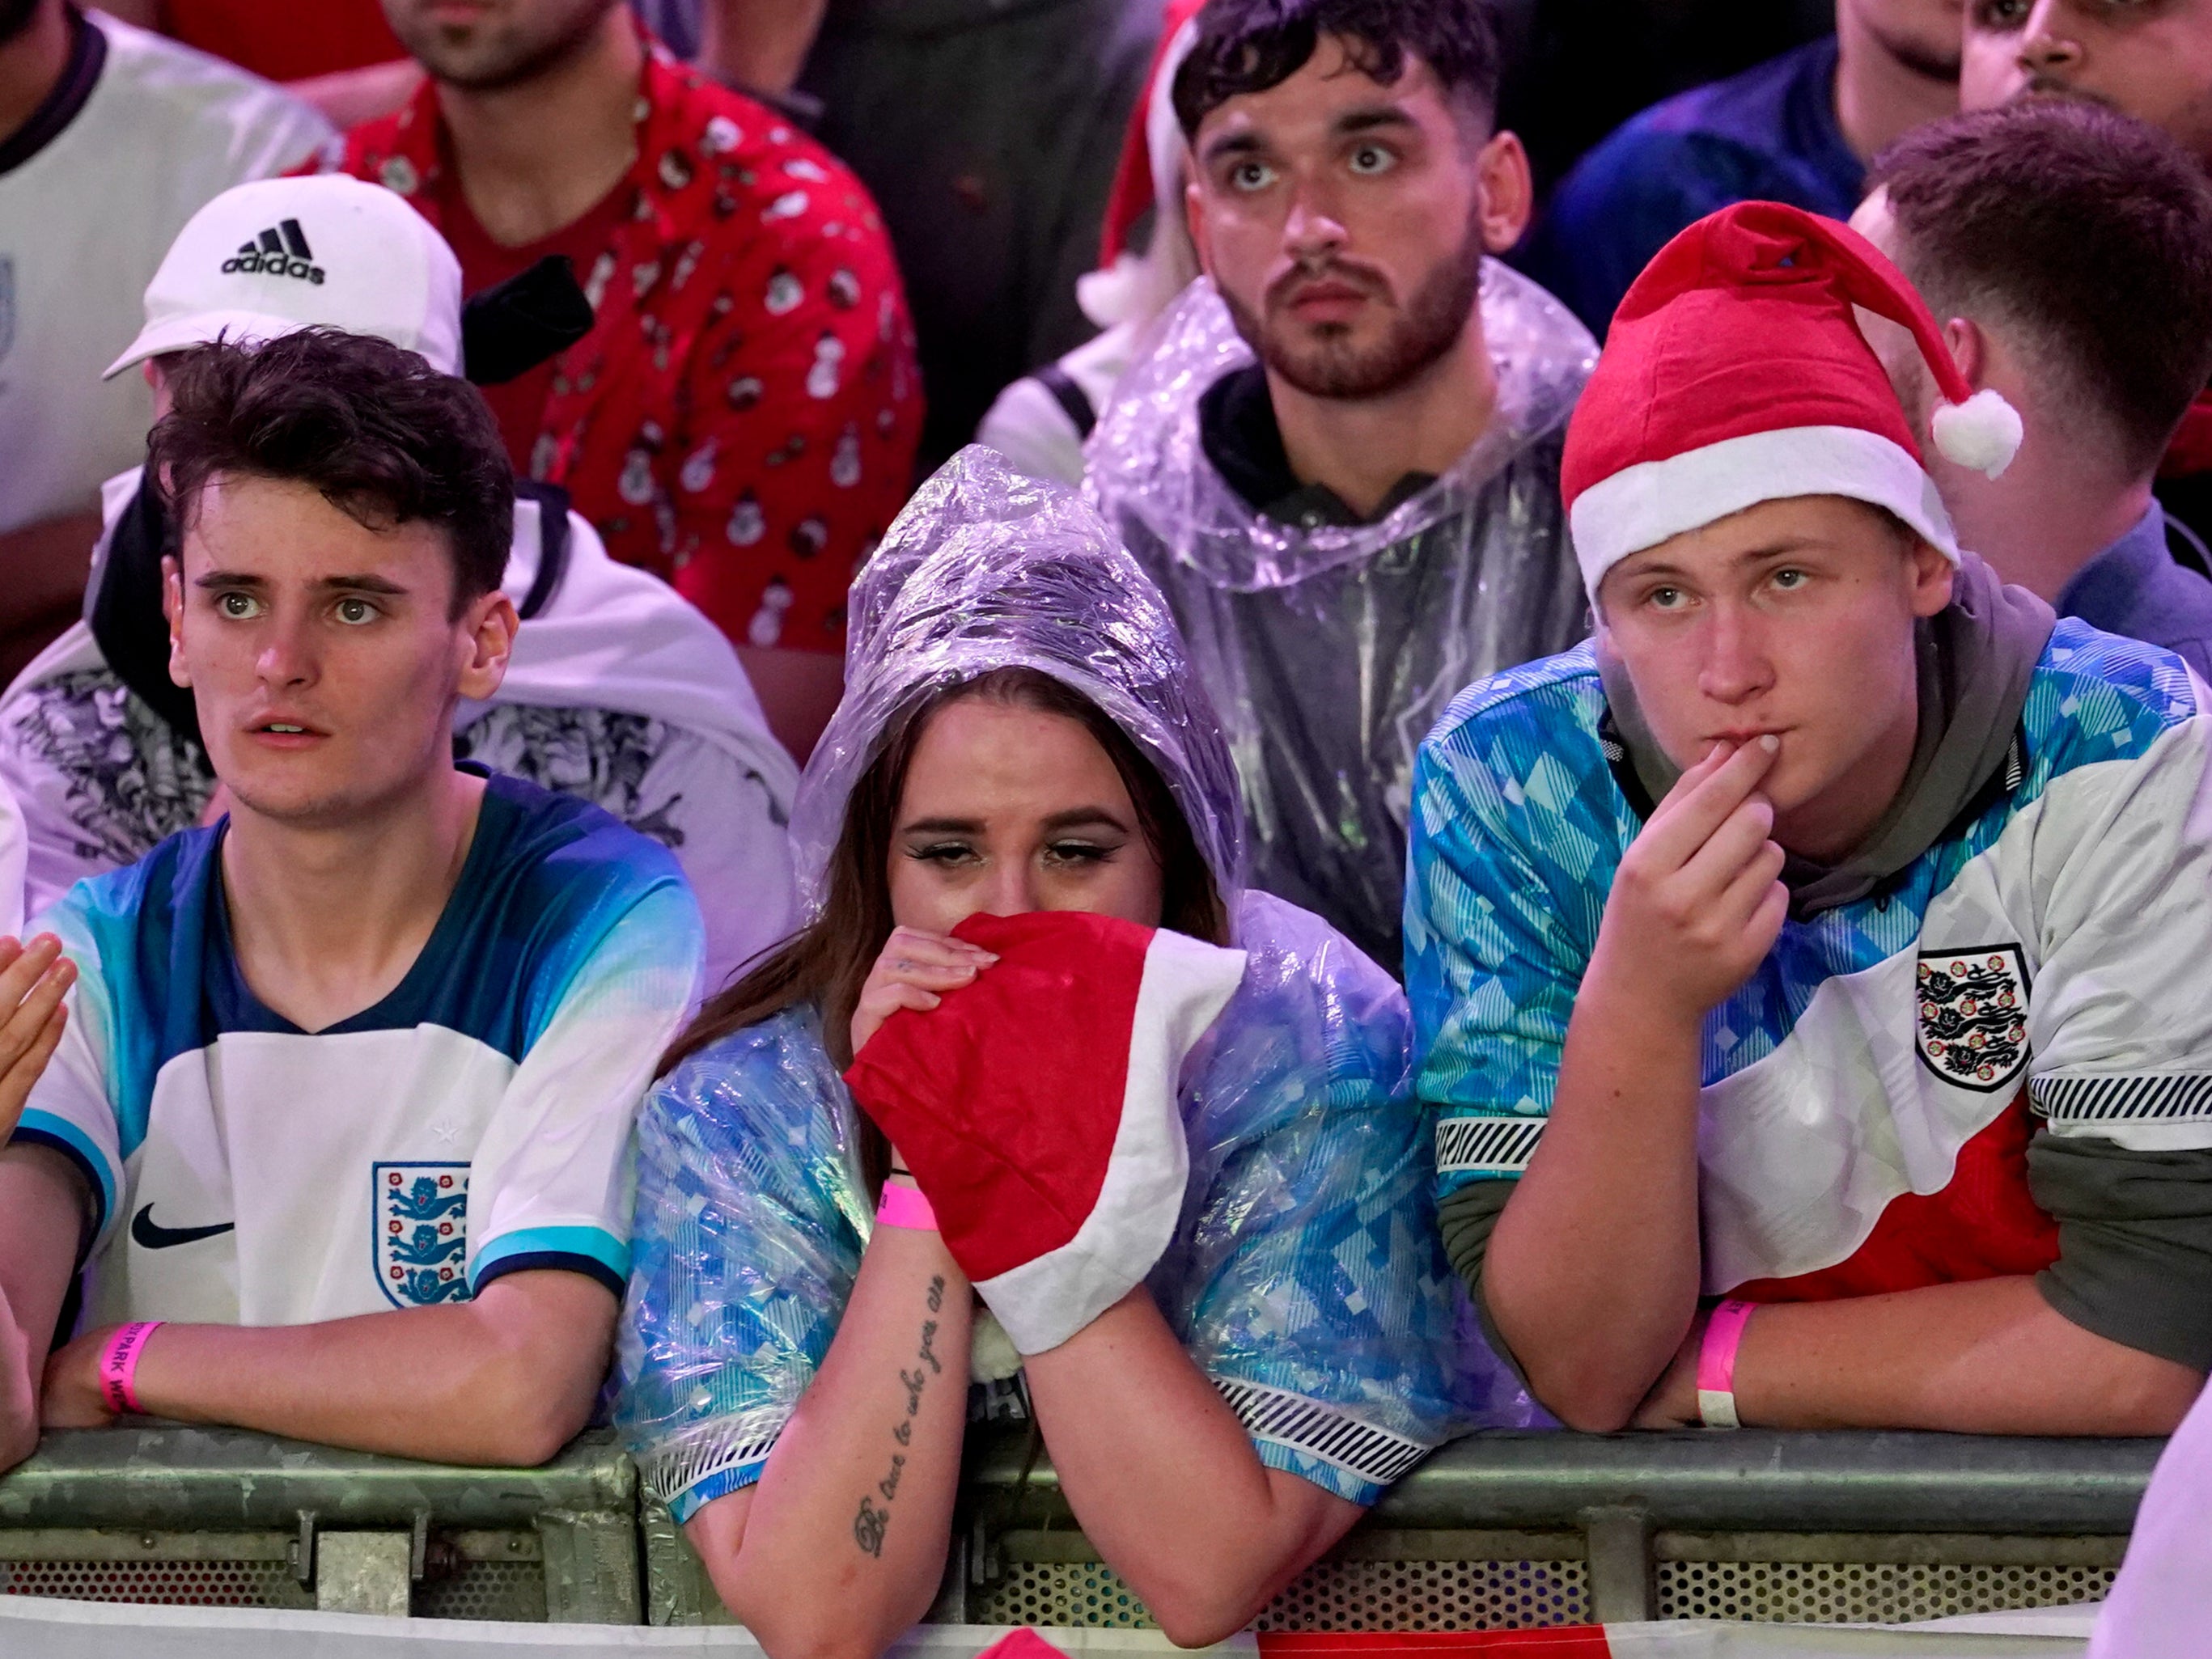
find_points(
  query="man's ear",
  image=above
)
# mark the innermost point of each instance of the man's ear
(488, 627)
(1194, 219)
(173, 608)
(1970, 349)
(1929, 577)
(1505, 191)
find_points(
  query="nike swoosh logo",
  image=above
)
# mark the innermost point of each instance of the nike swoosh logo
(154, 1236)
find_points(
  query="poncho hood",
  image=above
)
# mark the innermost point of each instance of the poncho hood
(987, 569)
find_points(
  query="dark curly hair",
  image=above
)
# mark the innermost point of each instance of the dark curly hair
(1245, 47)
(385, 437)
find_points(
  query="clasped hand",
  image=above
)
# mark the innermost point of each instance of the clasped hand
(1696, 903)
(914, 970)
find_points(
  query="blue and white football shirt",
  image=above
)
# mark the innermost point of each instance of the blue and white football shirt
(474, 1121)
(2055, 939)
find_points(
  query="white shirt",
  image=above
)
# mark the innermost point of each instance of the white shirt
(83, 224)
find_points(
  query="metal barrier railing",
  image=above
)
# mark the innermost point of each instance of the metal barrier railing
(1498, 1530)
(214, 1516)
(1547, 1528)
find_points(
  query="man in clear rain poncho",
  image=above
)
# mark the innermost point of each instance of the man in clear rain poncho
(1340, 458)
(1287, 1264)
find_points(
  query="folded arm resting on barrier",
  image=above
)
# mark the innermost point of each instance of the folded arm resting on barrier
(44, 1213)
(1592, 1279)
(1165, 1480)
(1987, 1357)
(507, 1378)
(839, 1545)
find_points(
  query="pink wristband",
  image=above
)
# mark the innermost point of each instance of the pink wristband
(118, 1364)
(1716, 1363)
(905, 1206)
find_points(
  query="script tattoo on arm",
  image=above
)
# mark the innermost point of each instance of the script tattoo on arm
(873, 1521)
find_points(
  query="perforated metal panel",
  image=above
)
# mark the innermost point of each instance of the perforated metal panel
(1334, 1595)
(167, 1583)
(472, 1576)
(1059, 1593)
(1433, 1595)
(1875, 1592)
(485, 1590)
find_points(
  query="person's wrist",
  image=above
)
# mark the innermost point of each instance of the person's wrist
(1634, 995)
(116, 1367)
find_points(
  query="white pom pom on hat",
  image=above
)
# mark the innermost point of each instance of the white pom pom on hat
(1983, 433)
(1736, 373)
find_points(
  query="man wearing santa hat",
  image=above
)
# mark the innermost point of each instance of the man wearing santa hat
(1802, 969)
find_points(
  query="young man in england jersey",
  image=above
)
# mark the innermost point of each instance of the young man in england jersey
(338, 1126)
(1807, 972)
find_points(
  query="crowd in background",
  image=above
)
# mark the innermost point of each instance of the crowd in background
(1610, 598)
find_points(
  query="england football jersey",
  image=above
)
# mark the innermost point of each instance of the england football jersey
(474, 1121)
(1876, 1094)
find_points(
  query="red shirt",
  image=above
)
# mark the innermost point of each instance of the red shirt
(285, 39)
(519, 403)
(742, 419)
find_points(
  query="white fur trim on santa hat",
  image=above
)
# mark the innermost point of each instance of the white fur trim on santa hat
(1644, 505)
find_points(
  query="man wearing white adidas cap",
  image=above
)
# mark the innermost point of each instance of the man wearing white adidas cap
(618, 691)
(1806, 972)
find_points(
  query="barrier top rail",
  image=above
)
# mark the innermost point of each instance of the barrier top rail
(1750, 1480)
(218, 1478)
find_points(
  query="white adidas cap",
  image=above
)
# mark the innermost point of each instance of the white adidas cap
(268, 259)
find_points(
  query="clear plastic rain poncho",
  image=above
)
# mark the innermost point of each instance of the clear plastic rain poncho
(1330, 651)
(1305, 1278)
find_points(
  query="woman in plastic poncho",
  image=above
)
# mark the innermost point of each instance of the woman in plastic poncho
(1021, 733)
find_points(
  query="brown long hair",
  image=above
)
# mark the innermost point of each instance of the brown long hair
(828, 961)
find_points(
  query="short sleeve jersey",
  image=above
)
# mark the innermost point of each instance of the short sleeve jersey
(1868, 1091)
(1300, 1279)
(475, 1121)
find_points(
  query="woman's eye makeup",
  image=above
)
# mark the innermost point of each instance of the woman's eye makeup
(1079, 852)
(941, 852)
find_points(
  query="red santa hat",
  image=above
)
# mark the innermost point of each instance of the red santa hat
(1152, 147)
(1736, 373)
(1038, 1109)
(1131, 284)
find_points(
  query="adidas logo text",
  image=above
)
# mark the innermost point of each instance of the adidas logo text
(282, 251)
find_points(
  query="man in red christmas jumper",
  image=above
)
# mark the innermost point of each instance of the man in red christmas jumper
(743, 418)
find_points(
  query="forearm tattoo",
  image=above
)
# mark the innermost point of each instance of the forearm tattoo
(871, 1523)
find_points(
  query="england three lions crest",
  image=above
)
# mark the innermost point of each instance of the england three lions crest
(1972, 1028)
(420, 1214)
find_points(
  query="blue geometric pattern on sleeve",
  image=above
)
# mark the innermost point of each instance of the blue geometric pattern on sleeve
(1308, 1259)
(1518, 826)
(747, 1237)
